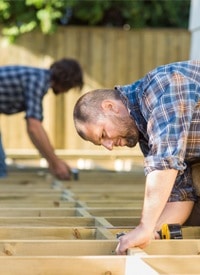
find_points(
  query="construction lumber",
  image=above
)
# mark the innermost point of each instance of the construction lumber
(53, 221)
(50, 227)
(55, 233)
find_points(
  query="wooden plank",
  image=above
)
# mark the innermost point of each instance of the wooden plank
(114, 212)
(123, 221)
(54, 233)
(161, 56)
(109, 53)
(178, 50)
(49, 233)
(43, 212)
(170, 256)
(172, 247)
(23, 175)
(191, 232)
(83, 237)
(109, 196)
(175, 265)
(33, 204)
(111, 204)
(30, 197)
(94, 265)
(113, 188)
(148, 56)
(98, 265)
(28, 191)
(120, 66)
(57, 248)
(135, 51)
(52, 221)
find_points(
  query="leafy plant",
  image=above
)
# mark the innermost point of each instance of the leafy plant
(20, 16)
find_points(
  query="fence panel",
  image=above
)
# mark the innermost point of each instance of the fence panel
(109, 56)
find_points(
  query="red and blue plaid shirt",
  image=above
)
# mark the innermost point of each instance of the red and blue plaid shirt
(22, 88)
(165, 105)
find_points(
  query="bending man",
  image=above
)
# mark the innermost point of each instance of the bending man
(161, 112)
(22, 88)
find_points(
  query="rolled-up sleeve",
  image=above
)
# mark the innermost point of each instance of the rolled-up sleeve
(168, 125)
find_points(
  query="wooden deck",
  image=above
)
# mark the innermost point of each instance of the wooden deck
(50, 227)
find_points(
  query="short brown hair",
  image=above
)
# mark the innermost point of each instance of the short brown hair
(67, 73)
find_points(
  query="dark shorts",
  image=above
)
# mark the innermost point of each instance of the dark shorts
(194, 218)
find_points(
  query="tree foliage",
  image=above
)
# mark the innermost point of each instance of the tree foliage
(20, 16)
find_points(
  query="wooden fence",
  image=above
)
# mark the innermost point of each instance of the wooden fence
(109, 56)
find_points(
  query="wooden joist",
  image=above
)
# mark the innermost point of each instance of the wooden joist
(53, 221)
(49, 227)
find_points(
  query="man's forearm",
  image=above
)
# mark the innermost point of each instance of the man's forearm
(158, 188)
(40, 139)
(38, 136)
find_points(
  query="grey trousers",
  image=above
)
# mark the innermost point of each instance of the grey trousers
(194, 218)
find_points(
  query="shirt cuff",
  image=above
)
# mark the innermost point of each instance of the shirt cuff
(152, 163)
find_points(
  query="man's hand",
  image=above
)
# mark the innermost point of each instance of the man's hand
(139, 237)
(174, 212)
(41, 141)
(60, 170)
(156, 211)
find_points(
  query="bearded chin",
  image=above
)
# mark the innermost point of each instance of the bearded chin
(131, 142)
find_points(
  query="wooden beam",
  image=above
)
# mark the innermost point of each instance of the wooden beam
(53, 221)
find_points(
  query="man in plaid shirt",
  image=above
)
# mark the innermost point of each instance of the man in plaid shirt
(22, 89)
(161, 112)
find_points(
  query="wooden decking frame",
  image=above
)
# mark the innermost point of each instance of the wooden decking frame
(44, 232)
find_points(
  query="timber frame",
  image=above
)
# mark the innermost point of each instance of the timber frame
(49, 227)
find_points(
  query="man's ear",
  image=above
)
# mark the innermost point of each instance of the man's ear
(109, 106)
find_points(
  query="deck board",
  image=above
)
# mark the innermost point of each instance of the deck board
(50, 227)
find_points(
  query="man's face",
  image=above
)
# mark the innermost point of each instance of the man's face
(112, 131)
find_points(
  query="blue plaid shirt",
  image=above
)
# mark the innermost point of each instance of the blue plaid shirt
(165, 105)
(22, 88)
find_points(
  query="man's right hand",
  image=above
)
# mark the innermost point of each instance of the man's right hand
(138, 237)
(60, 170)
